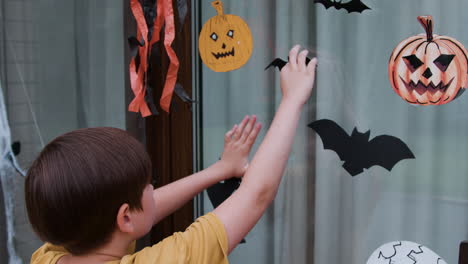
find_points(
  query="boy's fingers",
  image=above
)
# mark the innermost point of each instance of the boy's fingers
(293, 57)
(301, 60)
(248, 128)
(228, 135)
(253, 136)
(312, 65)
(240, 128)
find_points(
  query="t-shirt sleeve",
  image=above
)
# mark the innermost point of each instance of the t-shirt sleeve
(48, 253)
(205, 241)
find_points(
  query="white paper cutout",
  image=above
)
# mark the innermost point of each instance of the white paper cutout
(404, 252)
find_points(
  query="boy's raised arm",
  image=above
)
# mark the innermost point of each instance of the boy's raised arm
(234, 161)
(240, 212)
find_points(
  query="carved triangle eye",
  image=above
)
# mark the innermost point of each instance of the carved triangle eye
(413, 62)
(443, 61)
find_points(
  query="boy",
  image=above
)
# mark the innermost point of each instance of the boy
(89, 190)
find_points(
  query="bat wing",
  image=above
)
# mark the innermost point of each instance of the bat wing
(387, 151)
(281, 63)
(327, 4)
(219, 192)
(354, 6)
(333, 137)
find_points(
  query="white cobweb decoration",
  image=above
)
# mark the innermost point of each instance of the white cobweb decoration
(404, 252)
(8, 171)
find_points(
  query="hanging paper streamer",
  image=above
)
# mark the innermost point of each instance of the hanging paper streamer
(404, 252)
(225, 41)
(350, 6)
(182, 8)
(428, 69)
(138, 76)
(169, 36)
(149, 24)
(182, 94)
(357, 152)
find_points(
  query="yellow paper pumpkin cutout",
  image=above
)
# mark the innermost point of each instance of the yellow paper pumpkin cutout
(225, 41)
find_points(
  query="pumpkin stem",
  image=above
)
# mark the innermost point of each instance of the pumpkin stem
(426, 22)
(218, 5)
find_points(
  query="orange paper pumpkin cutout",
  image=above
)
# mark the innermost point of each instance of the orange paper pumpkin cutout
(428, 69)
(225, 41)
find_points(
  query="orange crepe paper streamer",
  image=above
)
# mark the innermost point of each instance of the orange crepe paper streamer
(171, 76)
(137, 79)
(158, 24)
(165, 14)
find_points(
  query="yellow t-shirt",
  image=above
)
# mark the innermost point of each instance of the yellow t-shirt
(205, 241)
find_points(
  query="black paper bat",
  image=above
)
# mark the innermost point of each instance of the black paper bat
(219, 192)
(351, 6)
(279, 63)
(357, 151)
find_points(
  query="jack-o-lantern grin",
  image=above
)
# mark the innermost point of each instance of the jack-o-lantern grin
(421, 88)
(223, 54)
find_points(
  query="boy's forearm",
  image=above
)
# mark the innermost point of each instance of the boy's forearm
(243, 209)
(267, 167)
(172, 196)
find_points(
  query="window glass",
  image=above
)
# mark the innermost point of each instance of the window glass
(322, 213)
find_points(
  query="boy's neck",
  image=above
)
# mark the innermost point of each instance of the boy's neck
(116, 249)
(89, 259)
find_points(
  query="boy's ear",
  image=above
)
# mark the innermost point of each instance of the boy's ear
(124, 219)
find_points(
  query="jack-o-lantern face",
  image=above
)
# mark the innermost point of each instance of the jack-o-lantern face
(428, 69)
(225, 42)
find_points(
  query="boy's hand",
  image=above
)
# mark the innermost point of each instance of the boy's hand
(297, 78)
(237, 145)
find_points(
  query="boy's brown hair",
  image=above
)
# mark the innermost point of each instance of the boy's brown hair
(77, 184)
